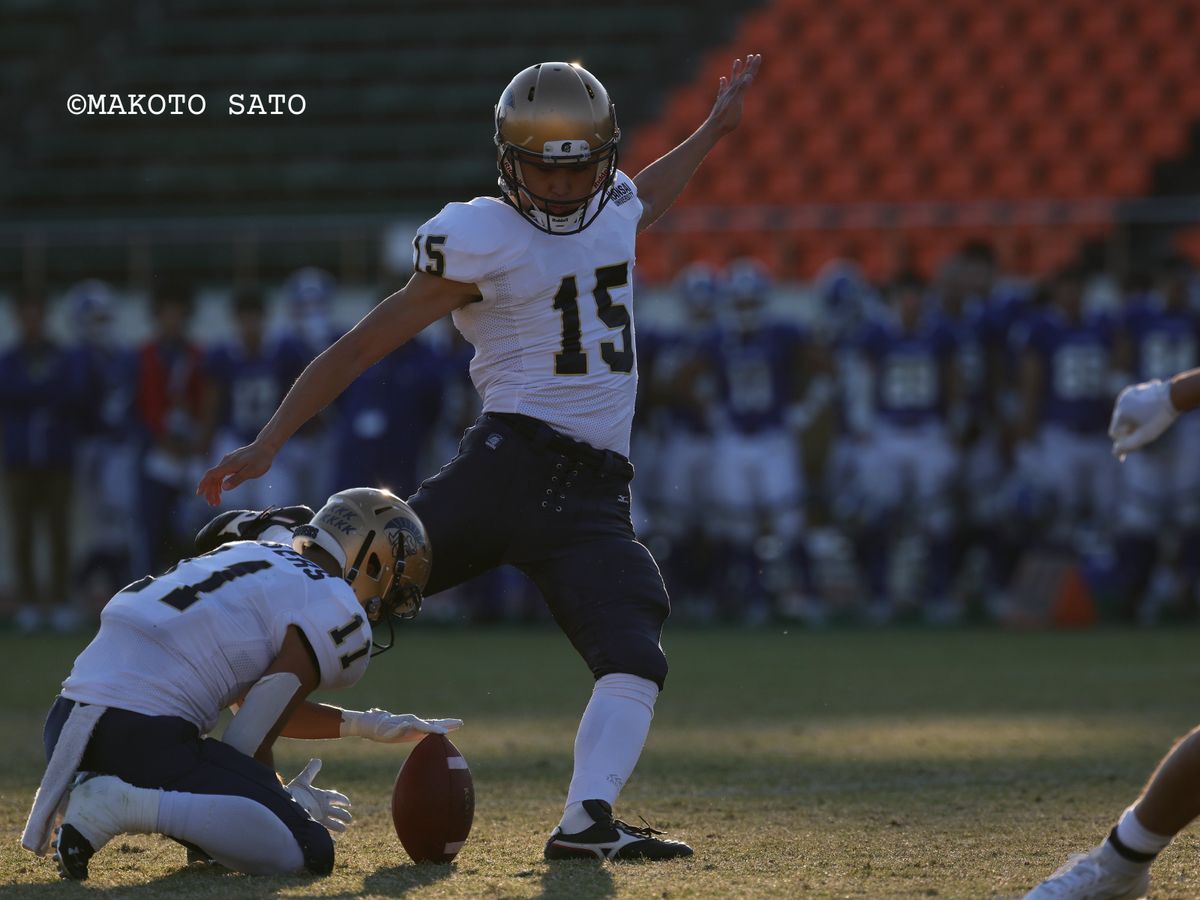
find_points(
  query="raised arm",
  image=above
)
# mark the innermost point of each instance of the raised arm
(425, 299)
(1185, 390)
(664, 179)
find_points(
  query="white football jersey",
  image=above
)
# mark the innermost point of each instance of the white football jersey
(193, 640)
(553, 328)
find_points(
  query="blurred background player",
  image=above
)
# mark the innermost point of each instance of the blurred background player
(385, 419)
(1158, 516)
(768, 393)
(965, 298)
(308, 319)
(42, 397)
(1066, 359)
(908, 461)
(677, 408)
(110, 442)
(170, 398)
(246, 378)
(1119, 867)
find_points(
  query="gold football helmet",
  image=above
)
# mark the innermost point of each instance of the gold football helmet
(558, 114)
(381, 545)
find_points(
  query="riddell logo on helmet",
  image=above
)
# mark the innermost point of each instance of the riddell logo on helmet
(579, 149)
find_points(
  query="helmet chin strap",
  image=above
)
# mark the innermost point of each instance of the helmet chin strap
(379, 648)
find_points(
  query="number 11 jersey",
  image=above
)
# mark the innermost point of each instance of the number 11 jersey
(553, 325)
(193, 640)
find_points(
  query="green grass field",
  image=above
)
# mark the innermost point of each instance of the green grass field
(840, 764)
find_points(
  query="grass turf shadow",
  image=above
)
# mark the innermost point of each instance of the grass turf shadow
(577, 878)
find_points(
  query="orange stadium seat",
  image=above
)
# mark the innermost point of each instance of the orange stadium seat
(1071, 178)
(1102, 25)
(902, 182)
(906, 102)
(1006, 63)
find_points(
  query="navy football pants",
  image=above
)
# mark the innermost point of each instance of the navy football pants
(520, 493)
(167, 752)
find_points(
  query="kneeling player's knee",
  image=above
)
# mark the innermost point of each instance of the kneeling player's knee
(317, 846)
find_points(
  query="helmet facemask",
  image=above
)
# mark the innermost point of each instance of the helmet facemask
(536, 207)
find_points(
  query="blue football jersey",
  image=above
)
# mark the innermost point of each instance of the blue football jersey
(672, 353)
(977, 330)
(253, 384)
(386, 416)
(757, 376)
(909, 387)
(1163, 341)
(110, 383)
(1077, 360)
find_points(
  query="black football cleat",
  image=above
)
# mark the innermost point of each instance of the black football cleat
(610, 838)
(72, 852)
(248, 524)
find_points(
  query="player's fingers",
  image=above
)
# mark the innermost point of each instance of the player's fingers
(448, 724)
(333, 824)
(208, 484)
(1128, 443)
(310, 771)
(1116, 425)
(340, 806)
(229, 482)
(330, 799)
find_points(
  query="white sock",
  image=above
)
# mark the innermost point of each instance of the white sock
(611, 735)
(105, 806)
(139, 809)
(235, 831)
(1134, 835)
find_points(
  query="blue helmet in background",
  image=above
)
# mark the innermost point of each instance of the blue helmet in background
(748, 281)
(310, 290)
(699, 287)
(92, 305)
(749, 285)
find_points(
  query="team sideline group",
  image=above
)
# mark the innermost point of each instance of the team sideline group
(909, 437)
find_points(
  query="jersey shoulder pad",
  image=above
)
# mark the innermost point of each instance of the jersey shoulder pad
(337, 629)
(470, 242)
(624, 197)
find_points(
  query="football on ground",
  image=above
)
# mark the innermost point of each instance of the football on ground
(433, 801)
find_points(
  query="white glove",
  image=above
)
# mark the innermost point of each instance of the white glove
(390, 728)
(330, 808)
(1142, 413)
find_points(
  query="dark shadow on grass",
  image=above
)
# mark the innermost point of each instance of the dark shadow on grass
(183, 881)
(391, 881)
(582, 878)
(395, 881)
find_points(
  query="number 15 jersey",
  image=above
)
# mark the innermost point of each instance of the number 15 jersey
(553, 327)
(193, 640)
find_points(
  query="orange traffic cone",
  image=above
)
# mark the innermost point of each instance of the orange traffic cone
(1073, 606)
